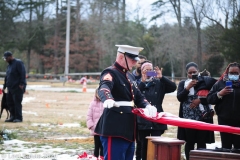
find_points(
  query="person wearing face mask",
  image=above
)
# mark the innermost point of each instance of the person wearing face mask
(189, 109)
(227, 104)
(154, 89)
(120, 94)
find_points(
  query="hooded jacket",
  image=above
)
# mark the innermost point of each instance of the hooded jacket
(95, 111)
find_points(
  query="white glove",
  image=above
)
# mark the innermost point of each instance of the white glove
(152, 110)
(109, 103)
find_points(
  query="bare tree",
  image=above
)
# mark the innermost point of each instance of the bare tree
(197, 8)
(175, 7)
(221, 12)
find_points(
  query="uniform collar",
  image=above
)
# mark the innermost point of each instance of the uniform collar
(119, 67)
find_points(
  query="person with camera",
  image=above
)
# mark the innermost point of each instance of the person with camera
(225, 96)
(189, 109)
(153, 86)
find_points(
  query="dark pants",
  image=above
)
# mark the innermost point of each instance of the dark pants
(14, 101)
(117, 148)
(97, 146)
(142, 135)
(228, 140)
(138, 147)
(194, 136)
(190, 146)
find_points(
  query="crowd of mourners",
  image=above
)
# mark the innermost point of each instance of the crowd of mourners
(117, 130)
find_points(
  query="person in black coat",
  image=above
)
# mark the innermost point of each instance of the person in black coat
(154, 89)
(189, 109)
(227, 104)
(137, 74)
(15, 84)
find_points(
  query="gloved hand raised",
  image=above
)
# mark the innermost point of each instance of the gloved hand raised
(152, 110)
(109, 103)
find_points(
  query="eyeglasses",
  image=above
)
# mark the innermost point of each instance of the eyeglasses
(193, 72)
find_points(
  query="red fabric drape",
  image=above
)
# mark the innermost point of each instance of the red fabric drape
(187, 123)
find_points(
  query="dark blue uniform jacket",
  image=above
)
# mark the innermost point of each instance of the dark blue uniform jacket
(119, 121)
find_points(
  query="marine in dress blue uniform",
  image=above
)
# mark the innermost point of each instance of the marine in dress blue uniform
(119, 93)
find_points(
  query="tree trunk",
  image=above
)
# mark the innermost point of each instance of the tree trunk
(56, 41)
(30, 39)
(123, 10)
(77, 22)
(199, 47)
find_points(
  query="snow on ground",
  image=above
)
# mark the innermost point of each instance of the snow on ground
(20, 150)
(59, 125)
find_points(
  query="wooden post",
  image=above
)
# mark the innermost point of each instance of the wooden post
(168, 149)
(151, 147)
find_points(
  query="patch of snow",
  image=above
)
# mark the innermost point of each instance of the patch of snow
(30, 112)
(50, 100)
(38, 86)
(59, 125)
(41, 124)
(69, 125)
(27, 99)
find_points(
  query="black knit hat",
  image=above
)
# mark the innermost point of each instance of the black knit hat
(7, 54)
(191, 64)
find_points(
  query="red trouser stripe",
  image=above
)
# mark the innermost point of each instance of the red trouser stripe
(109, 147)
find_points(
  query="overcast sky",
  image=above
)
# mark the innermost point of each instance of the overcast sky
(145, 10)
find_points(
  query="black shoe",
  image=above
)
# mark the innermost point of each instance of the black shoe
(17, 120)
(9, 120)
(236, 150)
